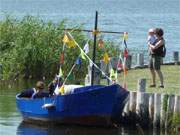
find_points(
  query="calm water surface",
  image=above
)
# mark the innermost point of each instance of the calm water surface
(11, 121)
(133, 16)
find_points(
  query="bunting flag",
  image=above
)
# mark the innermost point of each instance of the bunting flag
(56, 91)
(113, 74)
(125, 36)
(86, 48)
(60, 72)
(82, 55)
(71, 43)
(125, 43)
(119, 65)
(65, 39)
(62, 58)
(106, 58)
(78, 61)
(101, 43)
(71, 77)
(125, 52)
(68, 39)
(61, 90)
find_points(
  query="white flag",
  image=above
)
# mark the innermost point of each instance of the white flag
(86, 48)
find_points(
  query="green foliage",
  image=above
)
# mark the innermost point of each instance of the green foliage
(30, 48)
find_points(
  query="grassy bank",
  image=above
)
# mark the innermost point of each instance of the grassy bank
(171, 78)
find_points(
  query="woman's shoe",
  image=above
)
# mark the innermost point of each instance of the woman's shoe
(161, 86)
(152, 85)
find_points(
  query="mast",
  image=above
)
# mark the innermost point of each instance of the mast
(94, 48)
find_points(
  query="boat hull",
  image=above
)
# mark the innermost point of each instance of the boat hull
(91, 105)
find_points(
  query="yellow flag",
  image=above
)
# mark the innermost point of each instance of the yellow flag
(106, 58)
(82, 55)
(125, 36)
(60, 72)
(113, 75)
(71, 43)
(65, 39)
(61, 90)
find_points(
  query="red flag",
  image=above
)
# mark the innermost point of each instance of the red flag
(119, 66)
(125, 52)
(62, 58)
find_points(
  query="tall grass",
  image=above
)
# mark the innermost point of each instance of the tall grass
(30, 48)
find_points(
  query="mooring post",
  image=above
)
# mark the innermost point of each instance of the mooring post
(132, 103)
(140, 59)
(170, 109)
(177, 105)
(164, 100)
(176, 57)
(141, 86)
(151, 108)
(157, 106)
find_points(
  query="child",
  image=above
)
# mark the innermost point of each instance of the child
(151, 38)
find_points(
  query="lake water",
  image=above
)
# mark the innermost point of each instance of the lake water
(11, 121)
(133, 16)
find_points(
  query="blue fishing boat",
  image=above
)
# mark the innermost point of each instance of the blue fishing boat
(88, 105)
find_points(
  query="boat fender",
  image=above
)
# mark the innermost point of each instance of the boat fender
(48, 106)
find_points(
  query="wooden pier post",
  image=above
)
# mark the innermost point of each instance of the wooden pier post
(142, 103)
(170, 109)
(164, 100)
(177, 105)
(176, 57)
(140, 59)
(141, 86)
(157, 106)
(132, 103)
(151, 108)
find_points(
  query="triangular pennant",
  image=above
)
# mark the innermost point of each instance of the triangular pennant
(125, 52)
(125, 43)
(78, 61)
(100, 43)
(56, 91)
(62, 58)
(71, 43)
(71, 77)
(86, 48)
(112, 74)
(119, 66)
(106, 58)
(61, 90)
(60, 72)
(83, 55)
(125, 36)
(65, 39)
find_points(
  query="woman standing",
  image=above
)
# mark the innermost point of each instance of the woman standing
(155, 58)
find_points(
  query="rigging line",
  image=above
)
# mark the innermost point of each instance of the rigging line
(69, 74)
(91, 60)
(112, 32)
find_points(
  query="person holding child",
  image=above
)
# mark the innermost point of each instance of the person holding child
(156, 43)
